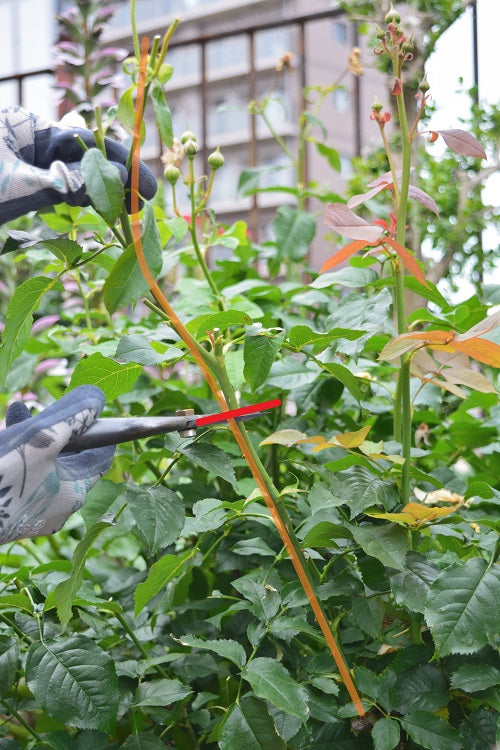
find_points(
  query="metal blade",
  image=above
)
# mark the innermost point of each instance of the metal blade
(113, 430)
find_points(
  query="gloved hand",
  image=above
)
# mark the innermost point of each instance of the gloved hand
(40, 487)
(40, 164)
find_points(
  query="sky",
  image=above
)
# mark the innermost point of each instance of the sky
(452, 60)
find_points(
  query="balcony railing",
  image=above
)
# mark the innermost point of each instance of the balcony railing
(206, 61)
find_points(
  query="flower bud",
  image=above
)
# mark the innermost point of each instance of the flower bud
(393, 16)
(172, 174)
(379, 32)
(377, 105)
(188, 136)
(215, 160)
(424, 85)
(407, 46)
(190, 148)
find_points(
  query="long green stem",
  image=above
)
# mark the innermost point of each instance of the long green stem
(403, 390)
(126, 227)
(164, 47)
(135, 36)
(194, 238)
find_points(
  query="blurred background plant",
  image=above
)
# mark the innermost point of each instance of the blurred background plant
(87, 75)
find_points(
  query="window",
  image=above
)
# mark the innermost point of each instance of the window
(272, 44)
(341, 99)
(339, 32)
(186, 61)
(227, 53)
(27, 25)
(227, 116)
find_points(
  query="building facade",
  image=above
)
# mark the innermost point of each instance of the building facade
(226, 54)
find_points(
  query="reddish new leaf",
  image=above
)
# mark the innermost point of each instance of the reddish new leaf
(408, 260)
(343, 254)
(340, 218)
(461, 142)
(385, 179)
(357, 200)
(423, 198)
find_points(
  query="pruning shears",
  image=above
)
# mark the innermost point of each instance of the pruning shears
(113, 430)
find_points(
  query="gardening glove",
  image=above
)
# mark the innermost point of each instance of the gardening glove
(40, 164)
(40, 487)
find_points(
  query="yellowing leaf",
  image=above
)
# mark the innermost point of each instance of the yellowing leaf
(404, 519)
(426, 513)
(372, 449)
(284, 437)
(319, 441)
(393, 458)
(313, 439)
(323, 446)
(414, 514)
(353, 439)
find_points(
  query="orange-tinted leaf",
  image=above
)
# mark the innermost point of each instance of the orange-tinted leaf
(343, 254)
(407, 342)
(462, 142)
(480, 349)
(353, 439)
(409, 261)
(431, 337)
(340, 218)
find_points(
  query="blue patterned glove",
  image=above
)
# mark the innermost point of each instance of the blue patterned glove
(39, 488)
(40, 164)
